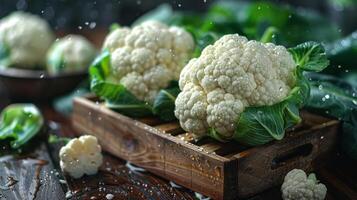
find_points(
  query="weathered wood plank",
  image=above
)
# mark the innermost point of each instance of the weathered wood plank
(172, 128)
(30, 177)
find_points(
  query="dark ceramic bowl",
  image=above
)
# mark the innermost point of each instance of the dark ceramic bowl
(23, 85)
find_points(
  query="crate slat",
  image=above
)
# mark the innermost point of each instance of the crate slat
(219, 170)
(173, 128)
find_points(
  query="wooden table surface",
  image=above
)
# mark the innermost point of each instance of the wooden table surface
(34, 174)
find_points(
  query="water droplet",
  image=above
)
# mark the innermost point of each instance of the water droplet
(80, 27)
(109, 196)
(327, 96)
(179, 5)
(42, 75)
(68, 194)
(320, 87)
(92, 25)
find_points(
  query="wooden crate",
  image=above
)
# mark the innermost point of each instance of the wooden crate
(218, 170)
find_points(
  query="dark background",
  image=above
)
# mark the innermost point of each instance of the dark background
(77, 15)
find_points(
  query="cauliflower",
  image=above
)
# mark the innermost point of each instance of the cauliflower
(147, 57)
(27, 38)
(71, 53)
(298, 186)
(81, 156)
(229, 76)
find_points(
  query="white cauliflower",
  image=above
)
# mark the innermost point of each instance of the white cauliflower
(298, 186)
(147, 57)
(27, 38)
(69, 54)
(229, 76)
(81, 156)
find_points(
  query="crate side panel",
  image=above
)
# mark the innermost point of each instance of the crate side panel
(257, 170)
(120, 136)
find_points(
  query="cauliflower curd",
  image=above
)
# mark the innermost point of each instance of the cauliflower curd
(81, 156)
(298, 186)
(229, 76)
(71, 53)
(27, 37)
(147, 57)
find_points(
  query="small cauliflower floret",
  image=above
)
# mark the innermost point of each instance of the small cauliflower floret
(298, 186)
(69, 54)
(147, 57)
(27, 37)
(81, 156)
(229, 76)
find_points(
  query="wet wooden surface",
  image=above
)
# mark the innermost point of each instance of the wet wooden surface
(29, 176)
(116, 180)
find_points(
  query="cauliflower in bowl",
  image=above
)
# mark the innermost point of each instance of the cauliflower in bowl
(70, 54)
(148, 56)
(25, 38)
(245, 90)
(81, 156)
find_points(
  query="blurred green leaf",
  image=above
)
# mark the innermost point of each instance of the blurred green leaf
(342, 54)
(336, 98)
(4, 55)
(20, 123)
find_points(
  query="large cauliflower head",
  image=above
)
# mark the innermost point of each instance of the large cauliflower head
(298, 186)
(81, 156)
(229, 76)
(71, 53)
(27, 38)
(147, 57)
